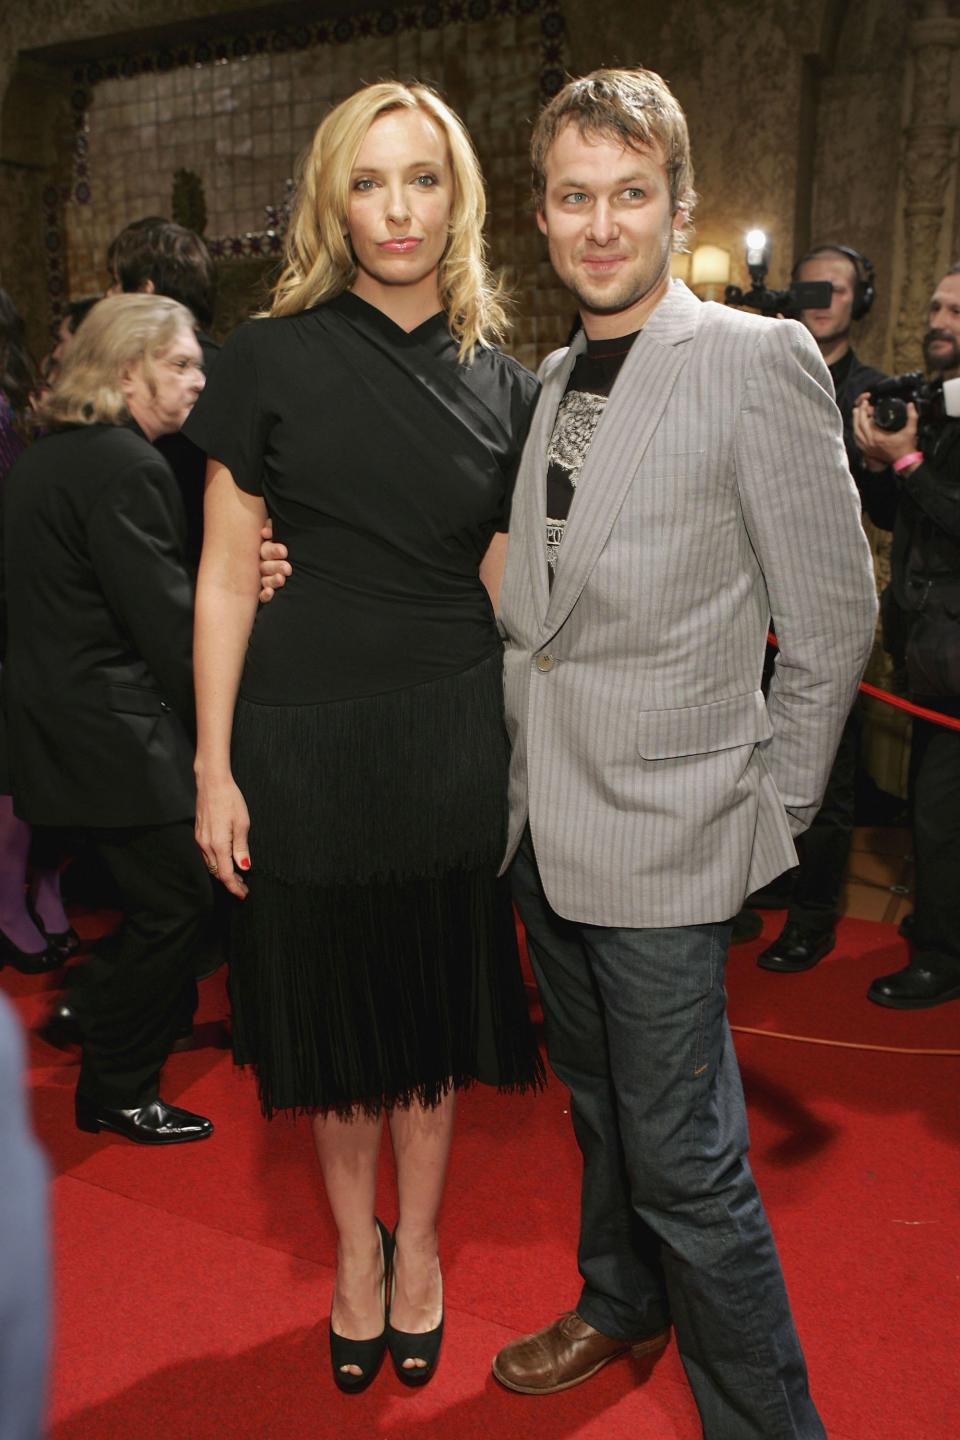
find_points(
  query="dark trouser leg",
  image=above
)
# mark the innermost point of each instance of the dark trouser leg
(824, 849)
(624, 1294)
(671, 1117)
(936, 836)
(134, 985)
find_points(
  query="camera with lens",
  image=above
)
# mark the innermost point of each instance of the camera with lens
(936, 400)
(802, 294)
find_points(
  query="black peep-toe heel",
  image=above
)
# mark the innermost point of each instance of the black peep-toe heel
(367, 1355)
(404, 1345)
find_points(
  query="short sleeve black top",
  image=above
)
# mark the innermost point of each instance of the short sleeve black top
(386, 466)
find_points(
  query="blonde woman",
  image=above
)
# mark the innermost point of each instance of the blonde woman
(98, 690)
(354, 733)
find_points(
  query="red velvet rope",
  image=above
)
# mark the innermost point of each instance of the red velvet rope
(949, 722)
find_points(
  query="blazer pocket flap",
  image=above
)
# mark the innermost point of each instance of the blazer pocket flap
(700, 729)
(136, 700)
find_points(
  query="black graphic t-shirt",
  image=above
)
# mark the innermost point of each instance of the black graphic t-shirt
(584, 399)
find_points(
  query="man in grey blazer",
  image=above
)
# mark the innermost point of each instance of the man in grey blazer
(684, 479)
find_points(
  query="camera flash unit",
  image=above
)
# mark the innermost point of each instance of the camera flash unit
(757, 248)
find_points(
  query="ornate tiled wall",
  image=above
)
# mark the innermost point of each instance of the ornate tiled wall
(239, 112)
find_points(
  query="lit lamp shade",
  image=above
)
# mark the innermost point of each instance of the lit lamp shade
(709, 270)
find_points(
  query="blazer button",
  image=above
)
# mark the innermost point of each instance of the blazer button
(164, 705)
(545, 663)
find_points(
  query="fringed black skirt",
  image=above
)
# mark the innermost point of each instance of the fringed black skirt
(374, 962)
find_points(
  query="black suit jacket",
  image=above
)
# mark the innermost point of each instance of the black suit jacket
(98, 615)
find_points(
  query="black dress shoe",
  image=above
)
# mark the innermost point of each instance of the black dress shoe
(28, 962)
(796, 949)
(155, 1123)
(62, 1027)
(915, 988)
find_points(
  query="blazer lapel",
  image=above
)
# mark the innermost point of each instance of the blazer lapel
(532, 480)
(626, 428)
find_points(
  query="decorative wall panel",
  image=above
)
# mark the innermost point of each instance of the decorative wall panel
(238, 113)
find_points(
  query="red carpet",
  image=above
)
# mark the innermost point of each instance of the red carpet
(194, 1283)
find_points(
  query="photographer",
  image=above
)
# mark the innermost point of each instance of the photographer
(922, 620)
(808, 933)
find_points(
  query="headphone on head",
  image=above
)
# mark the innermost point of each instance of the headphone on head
(864, 291)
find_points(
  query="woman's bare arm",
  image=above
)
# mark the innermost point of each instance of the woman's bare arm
(227, 587)
(491, 567)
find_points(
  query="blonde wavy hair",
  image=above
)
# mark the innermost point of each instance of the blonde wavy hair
(119, 333)
(318, 260)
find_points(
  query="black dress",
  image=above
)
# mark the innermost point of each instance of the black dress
(374, 961)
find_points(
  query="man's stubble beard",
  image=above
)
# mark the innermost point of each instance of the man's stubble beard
(633, 291)
(946, 359)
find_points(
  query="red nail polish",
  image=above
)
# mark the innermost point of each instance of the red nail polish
(244, 863)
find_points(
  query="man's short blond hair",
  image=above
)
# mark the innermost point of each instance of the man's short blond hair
(635, 107)
(119, 333)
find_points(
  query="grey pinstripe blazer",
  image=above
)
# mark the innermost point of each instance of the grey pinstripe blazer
(660, 788)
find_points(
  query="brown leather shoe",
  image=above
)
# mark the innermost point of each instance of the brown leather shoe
(565, 1354)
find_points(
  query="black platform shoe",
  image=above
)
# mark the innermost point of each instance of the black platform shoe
(155, 1123)
(65, 942)
(28, 962)
(405, 1345)
(367, 1355)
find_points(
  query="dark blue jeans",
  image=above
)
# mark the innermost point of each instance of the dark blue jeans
(672, 1227)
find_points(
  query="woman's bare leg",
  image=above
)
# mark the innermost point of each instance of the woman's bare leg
(348, 1151)
(421, 1146)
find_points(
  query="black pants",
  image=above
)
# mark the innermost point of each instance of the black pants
(935, 790)
(824, 849)
(133, 989)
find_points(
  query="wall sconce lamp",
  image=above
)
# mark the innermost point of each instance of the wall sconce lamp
(709, 271)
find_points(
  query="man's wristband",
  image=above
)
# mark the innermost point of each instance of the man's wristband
(914, 458)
